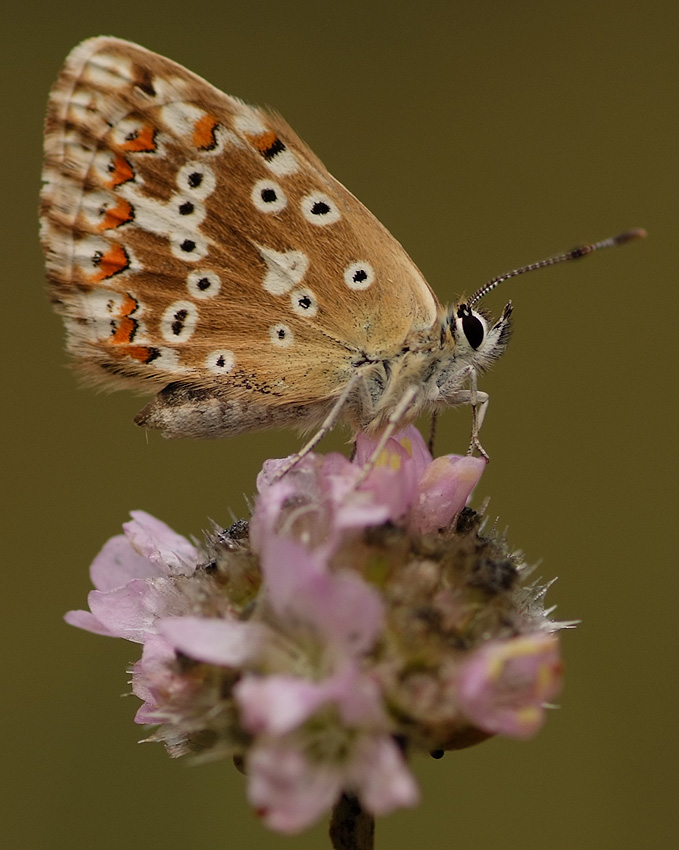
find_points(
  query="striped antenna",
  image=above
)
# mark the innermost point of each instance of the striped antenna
(573, 254)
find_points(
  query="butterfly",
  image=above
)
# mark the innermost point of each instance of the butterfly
(197, 248)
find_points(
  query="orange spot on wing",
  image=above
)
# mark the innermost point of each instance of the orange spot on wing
(124, 331)
(125, 328)
(117, 215)
(141, 140)
(204, 132)
(129, 305)
(142, 353)
(115, 260)
(121, 171)
(264, 142)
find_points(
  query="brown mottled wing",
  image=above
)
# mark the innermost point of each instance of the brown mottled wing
(196, 241)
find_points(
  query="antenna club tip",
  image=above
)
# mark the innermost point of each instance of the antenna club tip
(630, 235)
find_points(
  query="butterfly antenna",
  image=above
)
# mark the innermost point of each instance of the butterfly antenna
(573, 254)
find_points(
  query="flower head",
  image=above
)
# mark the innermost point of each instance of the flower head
(357, 617)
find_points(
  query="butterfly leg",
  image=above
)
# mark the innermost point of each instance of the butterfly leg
(479, 408)
(478, 401)
(479, 405)
(393, 422)
(327, 425)
(432, 431)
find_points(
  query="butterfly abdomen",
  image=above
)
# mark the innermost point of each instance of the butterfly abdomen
(183, 411)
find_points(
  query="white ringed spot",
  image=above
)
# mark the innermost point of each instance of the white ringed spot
(187, 210)
(197, 179)
(203, 284)
(304, 302)
(359, 275)
(188, 247)
(281, 335)
(179, 321)
(319, 209)
(268, 197)
(220, 361)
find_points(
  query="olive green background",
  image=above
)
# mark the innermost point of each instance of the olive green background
(485, 135)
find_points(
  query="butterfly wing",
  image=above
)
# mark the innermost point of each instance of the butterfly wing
(196, 242)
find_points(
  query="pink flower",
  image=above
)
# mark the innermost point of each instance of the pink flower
(136, 577)
(303, 692)
(444, 489)
(504, 686)
(353, 612)
(405, 486)
(290, 788)
(332, 616)
(324, 730)
(328, 503)
(298, 770)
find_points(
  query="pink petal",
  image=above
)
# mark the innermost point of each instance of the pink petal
(118, 563)
(159, 543)
(267, 475)
(342, 607)
(288, 791)
(352, 508)
(409, 439)
(444, 488)
(215, 641)
(358, 697)
(266, 515)
(327, 484)
(86, 620)
(275, 705)
(380, 777)
(336, 464)
(131, 612)
(414, 443)
(504, 686)
(152, 675)
(392, 480)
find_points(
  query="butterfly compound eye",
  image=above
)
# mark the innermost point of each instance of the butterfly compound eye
(473, 326)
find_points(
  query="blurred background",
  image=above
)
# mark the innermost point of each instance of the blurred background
(484, 135)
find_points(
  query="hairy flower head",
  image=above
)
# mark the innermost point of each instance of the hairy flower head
(352, 620)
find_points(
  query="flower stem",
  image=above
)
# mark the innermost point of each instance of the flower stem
(351, 828)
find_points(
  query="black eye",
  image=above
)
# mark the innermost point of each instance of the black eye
(472, 327)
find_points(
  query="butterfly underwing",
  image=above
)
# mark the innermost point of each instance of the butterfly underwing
(198, 249)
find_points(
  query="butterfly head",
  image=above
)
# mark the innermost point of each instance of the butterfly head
(478, 340)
